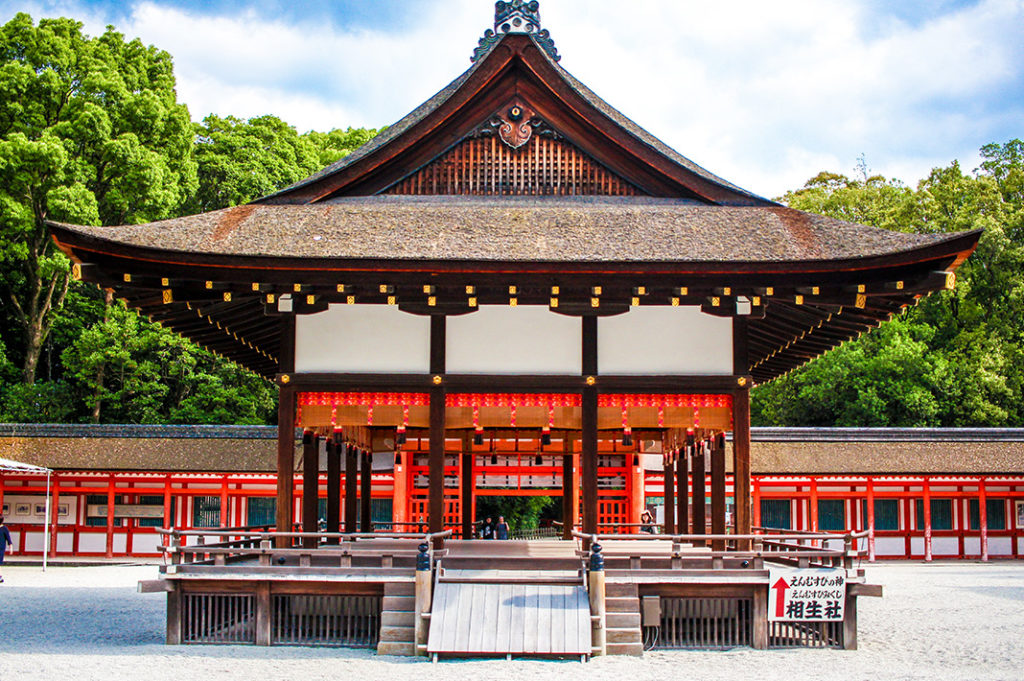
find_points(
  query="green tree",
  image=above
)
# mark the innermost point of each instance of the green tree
(90, 132)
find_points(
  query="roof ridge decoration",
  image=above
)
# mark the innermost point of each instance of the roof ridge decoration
(516, 16)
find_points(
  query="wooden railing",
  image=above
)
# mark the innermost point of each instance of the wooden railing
(331, 549)
(789, 548)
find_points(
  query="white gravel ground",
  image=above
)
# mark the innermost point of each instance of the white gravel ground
(937, 621)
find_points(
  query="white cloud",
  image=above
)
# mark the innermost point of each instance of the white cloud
(763, 94)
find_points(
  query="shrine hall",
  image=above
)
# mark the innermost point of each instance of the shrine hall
(513, 266)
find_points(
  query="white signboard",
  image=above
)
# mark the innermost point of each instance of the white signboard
(814, 595)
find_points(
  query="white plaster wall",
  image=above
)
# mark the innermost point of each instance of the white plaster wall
(500, 339)
(665, 340)
(944, 546)
(1000, 546)
(362, 339)
(889, 546)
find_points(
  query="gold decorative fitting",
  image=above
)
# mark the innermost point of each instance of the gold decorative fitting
(555, 290)
(286, 379)
(351, 300)
(682, 291)
(392, 300)
(470, 290)
(861, 288)
(168, 296)
(76, 272)
(428, 289)
(310, 299)
(756, 301)
(950, 281)
(641, 290)
(227, 296)
(270, 298)
(165, 282)
(727, 291)
(741, 381)
(554, 302)
(595, 302)
(513, 290)
(862, 300)
(770, 291)
(716, 301)
(513, 302)
(636, 301)
(591, 380)
(255, 286)
(432, 301)
(438, 380)
(472, 302)
(127, 278)
(899, 285)
(383, 288)
(596, 290)
(209, 285)
(675, 302)
(799, 300)
(815, 290)
(297, 288)
(341, 288)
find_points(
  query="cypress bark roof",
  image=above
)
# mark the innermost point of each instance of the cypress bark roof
(519, 229)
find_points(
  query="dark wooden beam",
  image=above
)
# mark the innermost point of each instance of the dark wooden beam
(310, 486)
(670, 495)
(718, 490)
(741, 460)
(568, 493)
(436, 459)
(699, 492)
(588, 459)
(351, 487)
(468, 481)
(285, 461)
(683, 491)
(366, 492)
(333, 487)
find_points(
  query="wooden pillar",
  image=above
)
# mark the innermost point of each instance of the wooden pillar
(438, 335)
(263, 614)
(982, 518)
(814, 505)
(699, 492)
(400, 494)
(285, 463)
(670, 493)
(568, 488)
(54, 518)
(755, 501)
(110, 517)
(366, 493)
(225, 503)
(683, 488)
(637, 498)
(468, 480)
(588, 437)
(927, 504)
(741, 459)
(871, 520)
(310, 485)
(718, 491)
(351, 485)
(333, 488)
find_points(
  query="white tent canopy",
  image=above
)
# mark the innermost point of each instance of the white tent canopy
(18, 467)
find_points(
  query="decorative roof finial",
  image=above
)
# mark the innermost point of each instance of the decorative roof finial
(516, 16)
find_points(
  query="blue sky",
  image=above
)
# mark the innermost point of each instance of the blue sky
(765, 94)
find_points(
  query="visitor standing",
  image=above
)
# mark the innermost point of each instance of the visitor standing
(5, 541)
(501, 529)
(487, 531)
(647, 522)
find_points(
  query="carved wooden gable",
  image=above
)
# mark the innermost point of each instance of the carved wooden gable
(515, 154)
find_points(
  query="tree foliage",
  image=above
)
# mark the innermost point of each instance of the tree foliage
(91, 132)
(955, 359)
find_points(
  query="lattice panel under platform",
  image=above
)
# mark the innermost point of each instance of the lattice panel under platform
(218, 618)
(805, 634)
(613, 514)
(347, 621)
(419, 512)
(704, 623)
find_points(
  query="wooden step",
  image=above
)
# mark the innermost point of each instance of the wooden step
(398, 634)
(613, 590)
(622, 620)
(622, 605)
(634, 649)
(399, 603)
(628, 635)
(399, 588)
(390, 618)
(396, 648)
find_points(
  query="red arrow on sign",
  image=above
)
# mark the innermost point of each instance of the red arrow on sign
(780, 599)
